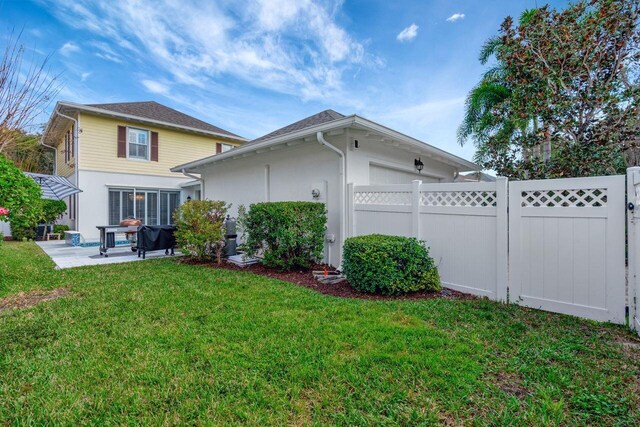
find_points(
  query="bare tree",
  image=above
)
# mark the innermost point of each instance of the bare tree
(26, 89)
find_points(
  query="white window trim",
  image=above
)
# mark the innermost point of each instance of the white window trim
(225, 147)
(140, 159)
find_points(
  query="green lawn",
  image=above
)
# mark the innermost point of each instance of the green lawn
(159, 342)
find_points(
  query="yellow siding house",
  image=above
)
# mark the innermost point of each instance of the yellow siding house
(120, 156)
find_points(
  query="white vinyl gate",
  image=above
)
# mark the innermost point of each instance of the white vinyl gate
(566, 246)
(633, 224)
(560, 245)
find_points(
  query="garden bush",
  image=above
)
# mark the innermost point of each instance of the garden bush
(60, 228)
(51, 210)
(20, 195)
(200, 228)
(289, 234)
(389, 265)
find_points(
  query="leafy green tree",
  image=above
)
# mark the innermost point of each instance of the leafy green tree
(572, 93)
(20, 195)
(29, 155)
(51, 210)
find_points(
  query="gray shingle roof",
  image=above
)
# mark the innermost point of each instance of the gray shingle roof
(317, 119)
(155, 111)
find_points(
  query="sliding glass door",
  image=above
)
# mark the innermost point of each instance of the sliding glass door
(153, 207)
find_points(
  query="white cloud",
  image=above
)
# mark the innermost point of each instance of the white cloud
(155, 86)
(289, 47)
(69, 48)
(455, 17)
(106, 52)
(85, 76)
(408, 33)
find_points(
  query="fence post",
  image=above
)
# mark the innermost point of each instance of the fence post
(415, 208)
(502, 227)
(633, 222)
(350, 211)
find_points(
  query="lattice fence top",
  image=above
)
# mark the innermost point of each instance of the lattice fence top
(393, 198)
(458, 198)
(593, 197)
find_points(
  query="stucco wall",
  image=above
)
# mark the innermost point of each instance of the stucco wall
(280, 175)
(374, 152)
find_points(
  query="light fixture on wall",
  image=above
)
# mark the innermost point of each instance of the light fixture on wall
(188, 198)
(418, 164)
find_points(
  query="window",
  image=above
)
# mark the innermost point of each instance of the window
(225, 147)
(153, 207)
(138, 143)
(69, 142)
(71, 208)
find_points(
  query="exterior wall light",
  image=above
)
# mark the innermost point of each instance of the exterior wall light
(418, 164)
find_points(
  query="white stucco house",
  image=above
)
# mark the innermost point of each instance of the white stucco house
(322, 152)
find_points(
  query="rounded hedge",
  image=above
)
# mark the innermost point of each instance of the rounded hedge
(389, 265)
(288, 234)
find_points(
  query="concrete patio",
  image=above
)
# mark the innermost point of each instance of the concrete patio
(65, 256)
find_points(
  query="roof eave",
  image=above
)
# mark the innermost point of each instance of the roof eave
(103, 112)
(465, 165)
(193, 166)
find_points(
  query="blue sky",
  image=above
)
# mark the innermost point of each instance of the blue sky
(256, 65)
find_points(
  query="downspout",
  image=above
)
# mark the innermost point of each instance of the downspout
(76, 160)
(188, 175)
(343, 185)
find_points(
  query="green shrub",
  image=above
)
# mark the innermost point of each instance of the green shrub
(289, 234)
(21, 196)
(200, 228)
(389, 265)
(60, 228)
(51, 210)
(22, 229)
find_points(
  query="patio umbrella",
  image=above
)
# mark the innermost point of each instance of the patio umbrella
(54, 187)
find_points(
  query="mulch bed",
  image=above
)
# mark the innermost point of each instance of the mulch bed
(29, 299)
(342, 289)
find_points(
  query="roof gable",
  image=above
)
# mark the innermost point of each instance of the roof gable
(317, 119)
(155, 111)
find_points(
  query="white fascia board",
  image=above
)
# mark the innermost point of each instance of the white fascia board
(459, 162)
(104, 112)
(245, 149)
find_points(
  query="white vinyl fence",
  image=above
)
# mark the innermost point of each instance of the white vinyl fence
(556, 245)
(633, 239)
(5, 229)
(465, 225)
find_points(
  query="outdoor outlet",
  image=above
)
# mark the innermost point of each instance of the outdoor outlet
(331, 238)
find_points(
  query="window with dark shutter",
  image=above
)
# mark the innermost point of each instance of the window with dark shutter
(66, 147)
(218, 148)
(72, 142)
